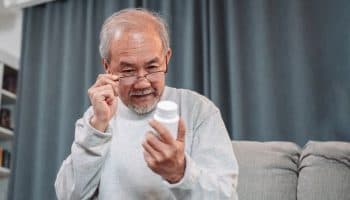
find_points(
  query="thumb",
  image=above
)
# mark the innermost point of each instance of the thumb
(181, 131)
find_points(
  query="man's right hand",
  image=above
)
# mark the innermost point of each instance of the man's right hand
(103, 96)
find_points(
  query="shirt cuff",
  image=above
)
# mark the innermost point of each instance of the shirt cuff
(88, 136)
(190, 177)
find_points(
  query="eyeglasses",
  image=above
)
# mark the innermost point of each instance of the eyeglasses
(154, 74)
(150, 76)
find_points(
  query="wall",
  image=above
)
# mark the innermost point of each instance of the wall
(10, 32)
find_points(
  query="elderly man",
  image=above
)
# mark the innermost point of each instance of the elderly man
(116, 154)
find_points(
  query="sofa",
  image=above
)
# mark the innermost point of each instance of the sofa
(285, 171)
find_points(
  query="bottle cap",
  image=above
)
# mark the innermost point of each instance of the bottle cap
(166, 110)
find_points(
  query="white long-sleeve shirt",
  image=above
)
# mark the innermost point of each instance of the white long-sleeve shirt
(111, 165)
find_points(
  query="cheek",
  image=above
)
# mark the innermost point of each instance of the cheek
(159, 86)
(123, 92)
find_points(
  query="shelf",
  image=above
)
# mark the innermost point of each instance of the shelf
(9, 60)
(4, 172)
(5, 133)
(8, 97)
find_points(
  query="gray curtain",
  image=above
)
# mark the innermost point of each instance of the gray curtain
(278, 70)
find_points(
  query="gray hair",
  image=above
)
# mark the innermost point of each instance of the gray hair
(120, 21)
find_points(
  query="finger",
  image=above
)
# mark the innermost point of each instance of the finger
(148, 158)
(110, 101)
(94, 90)
(102, 82)
(155, 143)
(110, 75)
(152, 152)
(104, 79)
(181, 132)
(114, 87)
(162, 131)
(97, 90)
(145, 153)
(103, 94)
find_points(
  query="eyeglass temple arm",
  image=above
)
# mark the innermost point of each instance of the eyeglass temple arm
(166, 64)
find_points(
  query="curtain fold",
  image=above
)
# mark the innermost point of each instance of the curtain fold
(278, 70)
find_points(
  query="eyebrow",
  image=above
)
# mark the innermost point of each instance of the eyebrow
(154, 60)
(127, 64)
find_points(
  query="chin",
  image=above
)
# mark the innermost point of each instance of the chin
(144, 109)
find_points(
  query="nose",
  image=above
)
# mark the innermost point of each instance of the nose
(142, 82)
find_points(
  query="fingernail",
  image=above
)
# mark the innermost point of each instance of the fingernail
(115, 77)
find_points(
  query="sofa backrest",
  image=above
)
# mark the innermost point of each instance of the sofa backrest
(267, 170)
(284, 171)
(324, 171)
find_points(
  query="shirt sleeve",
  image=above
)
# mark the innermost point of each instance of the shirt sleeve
(211, 170)
(79, 175)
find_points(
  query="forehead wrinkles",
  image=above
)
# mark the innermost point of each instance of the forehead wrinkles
(138, 46)
(130, 41)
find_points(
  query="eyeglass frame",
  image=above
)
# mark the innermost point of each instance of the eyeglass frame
(145, 76)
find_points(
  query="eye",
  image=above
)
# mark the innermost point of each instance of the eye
(128, 72)
(152, 68)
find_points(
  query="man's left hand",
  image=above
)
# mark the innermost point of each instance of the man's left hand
(164, 155)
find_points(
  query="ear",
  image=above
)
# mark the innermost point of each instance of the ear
(168, 55)
(105, 64)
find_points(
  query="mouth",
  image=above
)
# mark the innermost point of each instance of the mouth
(141, 97)
(141, 94)
(143, 101)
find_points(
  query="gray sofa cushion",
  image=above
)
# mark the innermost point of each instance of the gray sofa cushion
(267, 170)
(324, 172)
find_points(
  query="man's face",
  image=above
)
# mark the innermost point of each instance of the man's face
(138, 53)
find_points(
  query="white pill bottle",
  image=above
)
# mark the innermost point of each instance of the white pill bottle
(167, 114)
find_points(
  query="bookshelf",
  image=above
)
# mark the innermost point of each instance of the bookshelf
(5, 134)
(4, 172)
(8, 88)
